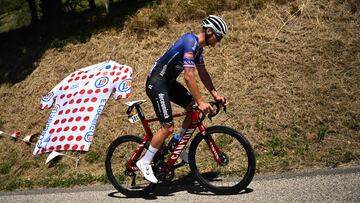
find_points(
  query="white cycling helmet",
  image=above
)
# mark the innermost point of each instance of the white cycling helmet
(217, 24)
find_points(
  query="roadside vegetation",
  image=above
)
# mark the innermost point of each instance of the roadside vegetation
(289, 69)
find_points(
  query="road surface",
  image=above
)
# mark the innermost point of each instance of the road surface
(325, 185)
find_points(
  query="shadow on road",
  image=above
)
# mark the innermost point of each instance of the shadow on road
(186, 183)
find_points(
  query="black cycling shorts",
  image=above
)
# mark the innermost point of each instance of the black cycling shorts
(161, 92)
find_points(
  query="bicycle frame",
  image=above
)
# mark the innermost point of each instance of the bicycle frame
(197, 123)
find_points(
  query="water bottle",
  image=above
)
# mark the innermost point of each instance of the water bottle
(174, 140)
(176, 137)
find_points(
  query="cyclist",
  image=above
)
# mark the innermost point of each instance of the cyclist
(161, 85)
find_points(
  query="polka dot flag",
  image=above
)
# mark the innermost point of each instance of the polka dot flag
(79, 100)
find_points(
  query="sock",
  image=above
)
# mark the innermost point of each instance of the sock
(149, 155)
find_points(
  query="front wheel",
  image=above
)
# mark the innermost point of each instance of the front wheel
(129, 183)
(238, 161)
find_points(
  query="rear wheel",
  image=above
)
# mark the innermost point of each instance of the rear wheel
(129, 183)
(238, 161)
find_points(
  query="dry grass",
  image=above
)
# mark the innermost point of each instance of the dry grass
(293, 83)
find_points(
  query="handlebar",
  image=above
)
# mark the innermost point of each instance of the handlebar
(211, 114)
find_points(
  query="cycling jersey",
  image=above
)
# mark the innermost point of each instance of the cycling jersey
(184, 53)
(78, 101)
(161, 85)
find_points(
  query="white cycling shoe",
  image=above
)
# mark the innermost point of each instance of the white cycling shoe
(147, 171)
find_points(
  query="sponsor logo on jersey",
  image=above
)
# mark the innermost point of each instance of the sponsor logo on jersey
(48, 97)
(101, 82)
(89, 137)
(125, 85)
(74, 86)
(188, 55)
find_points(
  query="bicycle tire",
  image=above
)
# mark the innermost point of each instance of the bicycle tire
(207, 171)
(121, 149)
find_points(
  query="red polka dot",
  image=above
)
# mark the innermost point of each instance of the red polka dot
(128, 95)
(54, 139)
(69, 95)
(90, 91)
(83, 77)
(116, 79)
(62, 138)
(86, 100)
(82, 147)
(82, 91)
(82, 128)
(75, 94)
(97, 91)
(72, 75)
(74, 147)
(58, 147)
(115, 67)
(126, 70)
(70, 80)
(80, 72)
(118, 73)
(67, 111)
(98, 73)
(78, 138)
(52, 131)
(119, 97)
(56, 122)
(62, 96)
(51, 148)
(82, 109)
(105, 90)
(66, 87)
(112, 73)
(65, 103)
(60, 88)
(66, 147)
(71, 101)
(78, 101)
(63, 120)
(86, 118)
(124, 77)
(94, 99)
(78, 118)
(74, 128)
(86, 83)
(75, 110)
(71, 119)
(77, 78)
(90, 109)
(59, 130)
(70, 138)
(61, 112)
(92, 75)
(66, 128)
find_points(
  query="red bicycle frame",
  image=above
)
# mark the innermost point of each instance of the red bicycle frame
(197, 123)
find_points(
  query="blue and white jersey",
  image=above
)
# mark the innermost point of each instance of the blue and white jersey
(184, 53)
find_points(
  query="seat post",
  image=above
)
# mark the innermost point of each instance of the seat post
(139, 112)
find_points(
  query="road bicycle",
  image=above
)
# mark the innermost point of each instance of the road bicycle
(221, 158)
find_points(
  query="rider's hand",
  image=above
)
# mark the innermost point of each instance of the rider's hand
(220, 99)
(205, 107)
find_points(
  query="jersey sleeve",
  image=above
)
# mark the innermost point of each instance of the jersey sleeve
(190, 45)
(48, 100)
(123, 85)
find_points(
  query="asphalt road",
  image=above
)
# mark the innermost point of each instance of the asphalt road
(326, 185)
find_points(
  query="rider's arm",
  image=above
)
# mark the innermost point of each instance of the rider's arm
(190, 80)
(206, 80)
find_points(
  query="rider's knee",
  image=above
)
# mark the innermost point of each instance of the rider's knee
(168, 128)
